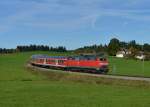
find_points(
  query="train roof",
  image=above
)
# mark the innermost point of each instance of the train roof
(64, 57)
(46, 56)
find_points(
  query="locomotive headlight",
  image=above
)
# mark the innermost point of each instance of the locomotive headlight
(104, 64)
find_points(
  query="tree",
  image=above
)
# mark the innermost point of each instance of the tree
(124, 45)
(146, 47)
(132, 44)
(113, 46)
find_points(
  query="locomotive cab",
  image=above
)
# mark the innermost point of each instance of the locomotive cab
(89, 62)
(103, 64)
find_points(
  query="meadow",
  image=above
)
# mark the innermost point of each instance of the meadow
(131, 67)
(19, 87)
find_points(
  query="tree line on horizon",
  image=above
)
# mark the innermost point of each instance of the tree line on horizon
(26, 48)
(111, 49)
(114, 46)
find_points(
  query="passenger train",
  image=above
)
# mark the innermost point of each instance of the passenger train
(81, 63)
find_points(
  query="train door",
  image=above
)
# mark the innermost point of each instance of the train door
(62, 62)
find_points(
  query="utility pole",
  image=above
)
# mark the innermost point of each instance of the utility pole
(142, 57)
(114, 69)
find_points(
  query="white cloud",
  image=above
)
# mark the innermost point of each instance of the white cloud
(69, 14)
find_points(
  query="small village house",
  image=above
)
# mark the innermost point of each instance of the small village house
(140, 55)
(123, 53)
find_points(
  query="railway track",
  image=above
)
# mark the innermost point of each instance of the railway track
(119, 77)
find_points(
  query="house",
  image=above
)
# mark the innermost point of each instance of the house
(120, 54)
(140, 55)
(123, 53)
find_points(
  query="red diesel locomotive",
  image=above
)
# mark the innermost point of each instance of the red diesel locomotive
(82, 63)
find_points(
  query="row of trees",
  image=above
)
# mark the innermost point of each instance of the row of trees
(114, 46)
(4, 50)
(40, 48)
(92, 49)
(34, 48)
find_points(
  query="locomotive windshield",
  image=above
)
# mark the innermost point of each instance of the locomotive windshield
(102, 59)
(90, 57)
(102, 56)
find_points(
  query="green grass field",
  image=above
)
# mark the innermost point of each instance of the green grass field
(21, 88)
(129, 67)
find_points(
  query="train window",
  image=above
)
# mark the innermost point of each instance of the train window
(41, 60)
(77, 58)
(53, 61)
(90, 57)
(71, 58)
(102, 59)
(60, 61)
(47, 60)
(82, 58)
(50, 61)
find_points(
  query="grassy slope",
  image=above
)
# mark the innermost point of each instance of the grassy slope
(19, 88)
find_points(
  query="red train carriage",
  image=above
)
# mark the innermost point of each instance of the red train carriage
(84, 63)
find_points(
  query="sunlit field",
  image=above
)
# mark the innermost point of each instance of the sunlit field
(129, 67)
(19, 87)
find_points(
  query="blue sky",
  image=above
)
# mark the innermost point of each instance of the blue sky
(73, 23)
